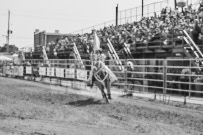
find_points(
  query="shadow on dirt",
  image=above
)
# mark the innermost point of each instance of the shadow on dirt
(86, 102)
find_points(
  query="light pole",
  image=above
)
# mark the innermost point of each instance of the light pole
(175, 4)
(8, 31)
(117, 15)
(142, 8)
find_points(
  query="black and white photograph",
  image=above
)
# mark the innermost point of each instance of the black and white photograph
(101, 67)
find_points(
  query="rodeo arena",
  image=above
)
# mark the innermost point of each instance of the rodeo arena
(141, 73)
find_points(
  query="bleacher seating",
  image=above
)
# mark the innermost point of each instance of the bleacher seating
(156, 34)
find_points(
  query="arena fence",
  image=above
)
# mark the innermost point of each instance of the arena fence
(178, 77)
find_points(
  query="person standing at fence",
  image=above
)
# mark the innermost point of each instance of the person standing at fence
(130, 69)
(184, 81)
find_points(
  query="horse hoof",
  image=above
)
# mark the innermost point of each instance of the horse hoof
(109, 96)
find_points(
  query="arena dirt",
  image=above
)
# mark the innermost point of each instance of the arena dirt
(28, 108)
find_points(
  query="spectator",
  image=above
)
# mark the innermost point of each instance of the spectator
(195, 33)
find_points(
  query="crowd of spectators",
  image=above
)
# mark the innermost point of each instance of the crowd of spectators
(155, 30)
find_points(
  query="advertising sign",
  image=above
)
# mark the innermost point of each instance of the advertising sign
(28, 70)
(8, 70)
(20, 70)
(81, 74)
(42, 71)
(4, 69)
(15, 71)
(60, 72)
(50, 71)
(11, 70)
(70, 73)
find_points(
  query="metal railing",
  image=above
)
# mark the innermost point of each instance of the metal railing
(96, 27)
(158, 76)
(135, 14)
(128, 16)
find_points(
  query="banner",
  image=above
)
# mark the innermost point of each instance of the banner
(42, 71)
(81, 74)
(28, 70)
(20, 70)
(70, 73)
(11, 70)
(8, 70)
(15, 71)
(4, 69)
(60, 72)
(50, 71)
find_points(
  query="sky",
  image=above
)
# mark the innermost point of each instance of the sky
(67, 16)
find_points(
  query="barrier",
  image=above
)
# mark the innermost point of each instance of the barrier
(81, 74)
(158, 76)
(70, 73)
(50, 71)
(21, 71)
(28, 70)
(42, 71)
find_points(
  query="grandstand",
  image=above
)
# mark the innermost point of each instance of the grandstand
(157, 36)
(174, 36)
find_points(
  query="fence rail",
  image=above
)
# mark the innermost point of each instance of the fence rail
(135, 14)
(162, 76)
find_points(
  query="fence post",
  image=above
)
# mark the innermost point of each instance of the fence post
(190, 80)
(144, 70)
(126, 83)
(165, 78)
(74, 80)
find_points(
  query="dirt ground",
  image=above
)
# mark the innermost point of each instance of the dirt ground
(29, 108)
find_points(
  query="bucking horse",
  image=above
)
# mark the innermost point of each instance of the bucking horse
(102, 77)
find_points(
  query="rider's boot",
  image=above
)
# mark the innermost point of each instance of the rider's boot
(109, 96)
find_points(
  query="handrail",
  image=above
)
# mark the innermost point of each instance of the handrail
(77, 55)
(127, 50)
(114, 55)
(192, 42)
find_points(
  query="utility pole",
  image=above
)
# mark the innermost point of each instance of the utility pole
(8, 31)
(175, 4)
(117, 15)
(142, 8)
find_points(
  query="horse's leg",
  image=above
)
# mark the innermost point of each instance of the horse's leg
(101, 87)
(104, 95)
(108, 87)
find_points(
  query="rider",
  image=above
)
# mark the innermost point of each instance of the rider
(101, 57)
(103, 71)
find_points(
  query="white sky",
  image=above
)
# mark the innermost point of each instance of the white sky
(63, 15)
